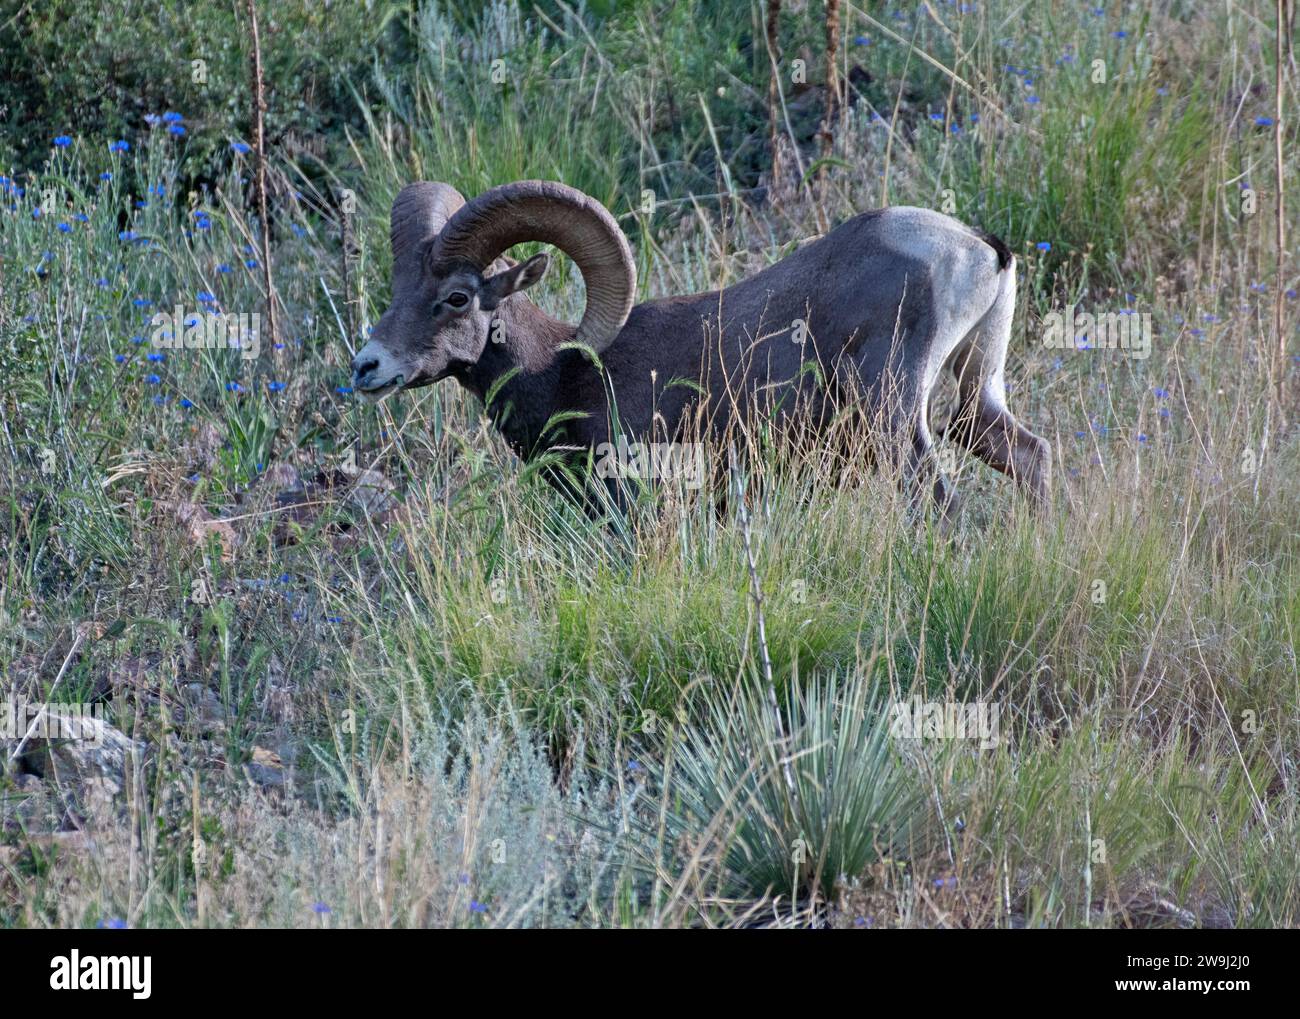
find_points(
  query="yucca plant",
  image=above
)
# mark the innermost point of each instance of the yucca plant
(793, 796)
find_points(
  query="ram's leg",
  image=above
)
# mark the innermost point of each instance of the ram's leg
(908, 447)
(983, 424)
(899, 421)
(923, 473)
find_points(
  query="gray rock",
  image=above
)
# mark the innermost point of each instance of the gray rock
(371, 493)
(203, 708)
(88, 761)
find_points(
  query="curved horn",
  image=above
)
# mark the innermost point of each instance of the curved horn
(420, 211)
(541, 210)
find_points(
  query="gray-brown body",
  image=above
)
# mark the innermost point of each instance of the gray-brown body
(872, 313)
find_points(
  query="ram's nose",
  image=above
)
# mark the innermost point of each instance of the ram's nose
(363, 366)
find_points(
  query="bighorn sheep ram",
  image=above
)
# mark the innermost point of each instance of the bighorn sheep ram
(882, 304)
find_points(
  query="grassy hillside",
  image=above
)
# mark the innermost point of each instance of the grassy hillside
(366, 668)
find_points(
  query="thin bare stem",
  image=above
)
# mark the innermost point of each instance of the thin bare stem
(773, 98)
(259, 134)
(756, 593)
(832, 96)
(1285, 20)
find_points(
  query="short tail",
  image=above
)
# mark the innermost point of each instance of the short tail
(996, 243)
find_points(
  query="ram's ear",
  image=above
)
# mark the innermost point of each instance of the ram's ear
(518, 277)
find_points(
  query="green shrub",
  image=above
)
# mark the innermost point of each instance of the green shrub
(96, 69)
(794, 798)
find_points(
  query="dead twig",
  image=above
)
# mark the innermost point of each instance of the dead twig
(258, 88)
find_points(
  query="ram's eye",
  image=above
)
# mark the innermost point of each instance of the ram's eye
(457, 300)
